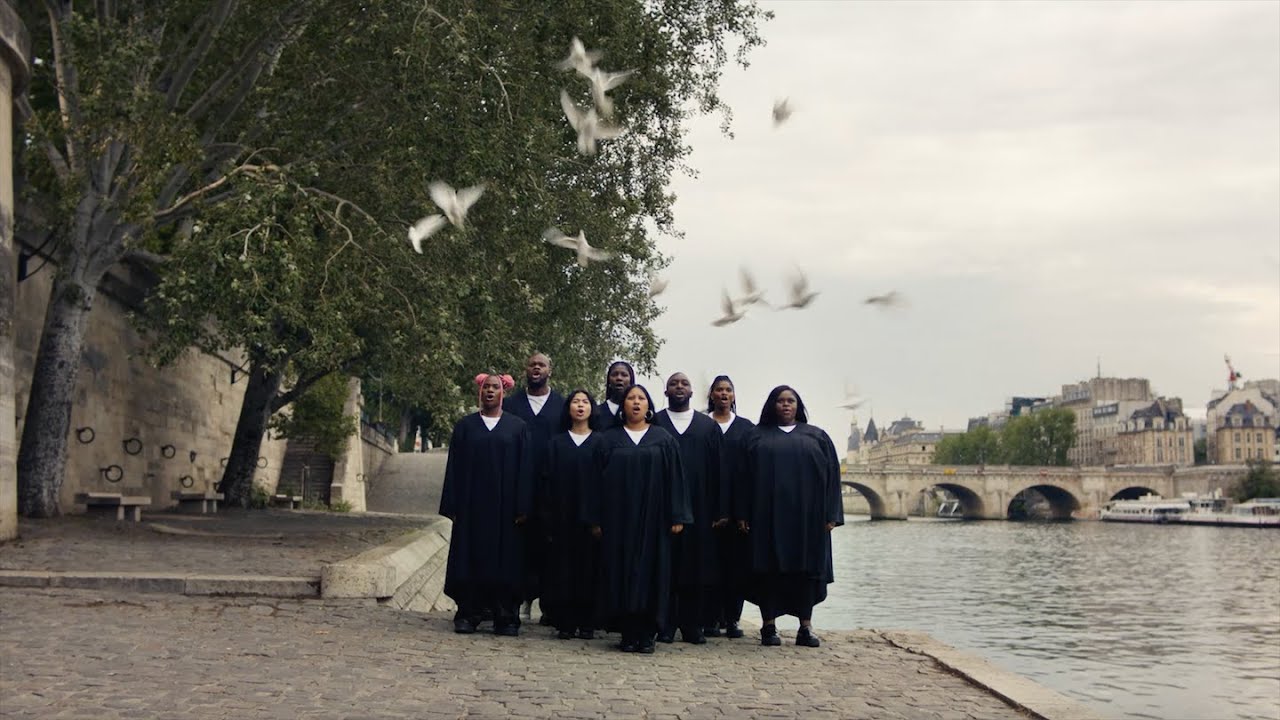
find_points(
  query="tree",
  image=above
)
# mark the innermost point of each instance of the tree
(268, 156)
(1260, 481)
(1200, 451)
(979, 446)
(1041, 438)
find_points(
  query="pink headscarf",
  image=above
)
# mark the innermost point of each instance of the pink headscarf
(507, 384)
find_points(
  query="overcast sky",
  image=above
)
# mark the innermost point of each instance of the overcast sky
(1047, 183)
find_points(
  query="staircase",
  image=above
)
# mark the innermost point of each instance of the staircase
(408, 483)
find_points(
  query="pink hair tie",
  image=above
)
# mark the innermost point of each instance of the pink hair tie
(481, 378)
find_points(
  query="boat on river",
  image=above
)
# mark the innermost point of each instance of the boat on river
(1195, 510)
(951, 510)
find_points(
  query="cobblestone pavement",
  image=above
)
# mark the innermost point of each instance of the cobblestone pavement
(232, 542)
(66, 654)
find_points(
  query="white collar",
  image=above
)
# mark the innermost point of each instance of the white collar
(788, 428)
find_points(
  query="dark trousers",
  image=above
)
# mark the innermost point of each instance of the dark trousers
(637, 627)
(484, 601)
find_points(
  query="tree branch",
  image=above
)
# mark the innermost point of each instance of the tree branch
(68, 85)
(215, 19)
(303, 384)
(194, 194)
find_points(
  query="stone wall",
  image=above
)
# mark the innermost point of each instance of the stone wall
(14, 51)
(163, 428)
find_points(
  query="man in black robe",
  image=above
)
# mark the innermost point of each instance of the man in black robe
(698, 574)
(540, 407)
(488, 493)
(619, 377)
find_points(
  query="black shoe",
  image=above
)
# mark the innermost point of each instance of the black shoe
(666, 637)
(565, 634)
(629, 646)
(695, 637)
(647, 647)
(769, 636)
(712, 631)
(732, 631)
(806, 638)
(464, 626)
(507, 630)
(586, 634)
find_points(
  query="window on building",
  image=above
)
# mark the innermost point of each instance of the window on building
(1237, 437)
(1237, 453)
(1259, 438)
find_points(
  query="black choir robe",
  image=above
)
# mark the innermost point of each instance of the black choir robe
(696, 551)
(573, 554)
(639, 494)
(541, 427)
(488, 483)
(734, 558)
(791, 490)
(605, 419)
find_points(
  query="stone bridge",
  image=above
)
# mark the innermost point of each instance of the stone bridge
(985, 492)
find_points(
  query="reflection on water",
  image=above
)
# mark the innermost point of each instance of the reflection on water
(1134, 621)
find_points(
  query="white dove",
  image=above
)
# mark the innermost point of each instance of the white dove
(602, 82)
(732, 314)
(851, 399)
(889, 299)
(586, 253)
(781, 111)
(656, 285)
(801, 295)
(589, 126)
(853, 404)
(580, 58)
(753, 293)
(425, 228)
(454, 203)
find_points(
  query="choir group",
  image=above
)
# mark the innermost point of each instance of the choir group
(623, 518)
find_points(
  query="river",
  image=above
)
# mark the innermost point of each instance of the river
(1134, 621)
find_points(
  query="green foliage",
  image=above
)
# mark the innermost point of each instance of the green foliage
(340, 506)
(318, 414)
(1041, 438)
(260, 499)
(1201, 451)
(1260, 481)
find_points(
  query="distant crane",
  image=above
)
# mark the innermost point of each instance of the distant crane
(1232, 375)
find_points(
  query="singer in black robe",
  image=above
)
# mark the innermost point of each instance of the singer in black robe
(617, 379)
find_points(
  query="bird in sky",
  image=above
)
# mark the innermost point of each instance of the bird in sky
(425, 228)
(657, 285)
(887, 300)
(732, 313)
(781, 111)
(454, 203)
(579, 244)
(752, 294)
(852, 399)
(602, 81)
(589, 126)
(580, 58)
(801, 295)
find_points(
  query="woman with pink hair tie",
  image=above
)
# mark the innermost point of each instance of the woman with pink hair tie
(488, 493)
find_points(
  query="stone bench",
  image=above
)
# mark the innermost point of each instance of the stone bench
(188, 501)
(293, 502)
(97, 501)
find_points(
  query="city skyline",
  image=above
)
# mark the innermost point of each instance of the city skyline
(1051, 186)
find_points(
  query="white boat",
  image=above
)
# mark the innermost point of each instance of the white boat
(1146, 509)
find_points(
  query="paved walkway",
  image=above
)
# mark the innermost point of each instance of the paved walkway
(70, 653)
(231, 542)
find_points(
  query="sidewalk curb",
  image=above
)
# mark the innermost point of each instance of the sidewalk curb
(182, 584)
(408, 572)
(1018, 691)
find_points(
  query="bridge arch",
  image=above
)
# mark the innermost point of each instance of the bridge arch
(971, 503)
(1062, 502)
(874, 500)
(1133, 492)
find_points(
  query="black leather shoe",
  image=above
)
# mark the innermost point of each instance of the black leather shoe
(463, 626)
(507, 630)
(565, 634)
(629, 646)
(586, 634)
(666, 637)
(647, 647)
(806, 638)
(694, 638)
(732, 631)
(769, 636)
(713, 631)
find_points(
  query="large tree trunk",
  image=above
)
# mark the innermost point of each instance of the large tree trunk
(42, 455)
(255, 411)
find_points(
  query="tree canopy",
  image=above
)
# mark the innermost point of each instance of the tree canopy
(1041, 438)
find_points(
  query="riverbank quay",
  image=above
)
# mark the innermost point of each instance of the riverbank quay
(111, 653)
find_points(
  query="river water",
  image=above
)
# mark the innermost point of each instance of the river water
(1134, 621)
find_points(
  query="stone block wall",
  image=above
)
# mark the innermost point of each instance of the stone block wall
(164, 428)
(14, 52)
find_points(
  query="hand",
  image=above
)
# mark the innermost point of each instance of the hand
(520, 520)
(719, 523)
(831, 526)
(596, 532)
(677, 528)
(744, 526)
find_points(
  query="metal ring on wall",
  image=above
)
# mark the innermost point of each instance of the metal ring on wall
(186, 481)
(262, 461)
(133, 446)
(192, 455)
(112, 473)
(85, 435)
(168, 451)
